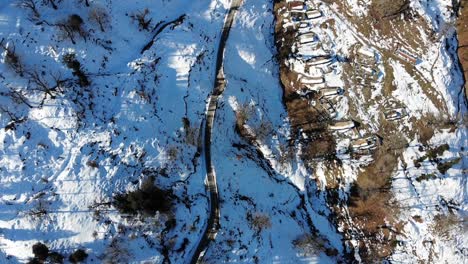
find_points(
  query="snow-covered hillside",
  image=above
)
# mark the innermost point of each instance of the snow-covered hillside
(100, 97)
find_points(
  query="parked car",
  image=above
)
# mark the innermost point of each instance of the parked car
(395, 114)
(331, 91)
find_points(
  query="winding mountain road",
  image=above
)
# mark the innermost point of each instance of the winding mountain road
(212, 226)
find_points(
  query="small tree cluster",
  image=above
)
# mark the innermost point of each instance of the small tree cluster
(116, 252)
(30, 5)
(142, 20)
(72, 63)
(72, 26)
(244, 112)
(147, 200)
(263, 130)
(309, 244)
(444, 226)
(42, 254)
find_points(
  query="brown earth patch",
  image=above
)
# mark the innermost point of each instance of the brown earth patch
(305, 117)
(462, 30)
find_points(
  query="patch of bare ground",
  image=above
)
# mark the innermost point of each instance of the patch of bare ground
(370, 208)
(304, 117)
(462, 31)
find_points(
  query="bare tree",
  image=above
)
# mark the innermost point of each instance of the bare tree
(11, 58)
(244, 112)
(42, 84)
(140, 17)
(85, 1)
(309, 244)
(52, 3)
(99, 16)
(18, 97)
(30, 5)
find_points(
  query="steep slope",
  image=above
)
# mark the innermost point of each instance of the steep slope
(401, 93)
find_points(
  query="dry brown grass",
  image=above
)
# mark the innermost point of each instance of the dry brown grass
(444, 226)
(303, 117)
(462, 31)
(369, 204)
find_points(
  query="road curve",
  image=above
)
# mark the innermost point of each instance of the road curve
(212, 226)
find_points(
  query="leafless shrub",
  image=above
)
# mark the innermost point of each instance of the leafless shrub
(11, 59)
(99, 16)
(172, 153)
(260, 221)
(263, 130)
(309, 244)
(143, 22)
(50, 85)
(116, 252)
(31, 6)
(286, 154)
(18, 96)
(445, 225)
(39, 210)
(53, 3)
(244, 113)
(191, 133)
(13, 117)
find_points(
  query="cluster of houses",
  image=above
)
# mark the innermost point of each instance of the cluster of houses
(311, 64)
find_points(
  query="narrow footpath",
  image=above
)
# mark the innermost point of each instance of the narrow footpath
(212, 226)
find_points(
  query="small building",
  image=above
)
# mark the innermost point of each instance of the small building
(331, 91)
(313, 14)
(362, 51)
(328, 106)
(311, 80)
(296, 5)
(305, 38)
(341, 126)
(405, 55)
